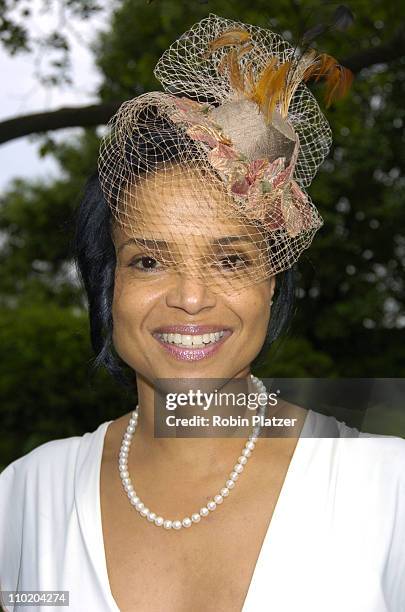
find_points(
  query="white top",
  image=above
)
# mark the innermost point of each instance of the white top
(336, 541)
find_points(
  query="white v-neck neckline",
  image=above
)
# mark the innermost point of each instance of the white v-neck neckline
(94, 528)
(292, 475)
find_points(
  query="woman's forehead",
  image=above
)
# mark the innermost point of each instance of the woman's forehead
(180, 202)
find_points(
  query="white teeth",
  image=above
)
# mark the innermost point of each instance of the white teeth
(187, 340)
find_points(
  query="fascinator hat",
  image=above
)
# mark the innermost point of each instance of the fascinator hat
(209, 177)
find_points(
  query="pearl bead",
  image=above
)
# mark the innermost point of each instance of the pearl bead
(159, 521)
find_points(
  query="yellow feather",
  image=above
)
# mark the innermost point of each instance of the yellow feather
(249, 81)
(223, 64)
(232, 37)
(276, 89)
(245, 49)
(235, 76)
(264, 80)
(270, 87)
(294, 77)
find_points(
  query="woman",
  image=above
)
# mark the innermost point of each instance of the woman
(190, 227)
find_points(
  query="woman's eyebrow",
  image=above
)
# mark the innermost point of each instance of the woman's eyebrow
(225, 240)
(153, 244)
(146, 242)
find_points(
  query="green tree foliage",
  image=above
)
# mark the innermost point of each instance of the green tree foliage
(349, 318)
(50, 43)
(47, 385)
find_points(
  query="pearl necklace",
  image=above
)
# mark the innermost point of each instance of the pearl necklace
(159, 521)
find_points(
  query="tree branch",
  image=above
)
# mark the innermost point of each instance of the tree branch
(99, 114)
(83, 116)
(383, 54)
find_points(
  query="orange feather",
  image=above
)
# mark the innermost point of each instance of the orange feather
(327, 63)
(338, 83)
(338, 78)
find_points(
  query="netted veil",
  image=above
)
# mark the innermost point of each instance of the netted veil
(208, 177)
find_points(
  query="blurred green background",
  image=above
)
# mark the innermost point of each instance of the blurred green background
(349, 319)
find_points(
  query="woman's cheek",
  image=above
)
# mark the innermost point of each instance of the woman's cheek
(124, 320)
(258, 313)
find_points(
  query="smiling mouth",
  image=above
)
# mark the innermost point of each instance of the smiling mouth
(192, 346)
(192, 340)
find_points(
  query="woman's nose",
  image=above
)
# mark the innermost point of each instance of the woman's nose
(189, 293)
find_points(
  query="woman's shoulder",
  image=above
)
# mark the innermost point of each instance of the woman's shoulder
(384, 448)
(376, 459)
(48, 461)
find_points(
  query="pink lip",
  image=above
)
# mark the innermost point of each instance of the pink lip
(193, 354)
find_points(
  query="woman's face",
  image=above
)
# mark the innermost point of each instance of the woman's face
(167, 322)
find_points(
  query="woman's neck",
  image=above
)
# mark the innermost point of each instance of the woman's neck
(198, 448)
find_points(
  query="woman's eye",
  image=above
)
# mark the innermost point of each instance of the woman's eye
(233, 262)
(144, 263)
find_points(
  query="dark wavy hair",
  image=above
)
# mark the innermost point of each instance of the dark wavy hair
(95, 258)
